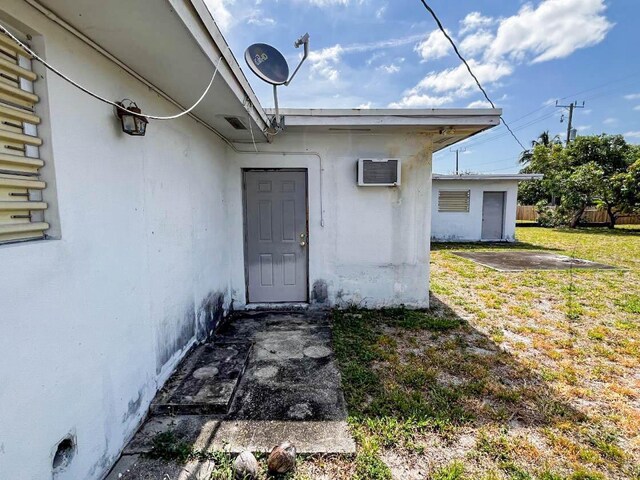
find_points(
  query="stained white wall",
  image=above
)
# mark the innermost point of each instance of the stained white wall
(92, 323)
(467, 227)
(148, 243)
(374, 247)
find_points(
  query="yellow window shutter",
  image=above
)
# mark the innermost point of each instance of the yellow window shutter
(453, 200)
(21, 205)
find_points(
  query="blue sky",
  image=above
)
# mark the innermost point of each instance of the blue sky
(388, 53)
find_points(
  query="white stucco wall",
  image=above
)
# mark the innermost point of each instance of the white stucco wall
(149, 248)
(467, 227)
(92, 323)
(374, 247)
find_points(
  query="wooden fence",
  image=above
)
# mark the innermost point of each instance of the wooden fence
(527, 213)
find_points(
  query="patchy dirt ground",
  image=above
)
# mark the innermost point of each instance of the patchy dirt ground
(511, 375)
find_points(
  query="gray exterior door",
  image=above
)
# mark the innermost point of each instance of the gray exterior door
(276, 235)
(493, 215)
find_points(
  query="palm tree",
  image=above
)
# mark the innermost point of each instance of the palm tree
(544, 139)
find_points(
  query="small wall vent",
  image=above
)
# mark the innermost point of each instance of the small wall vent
(236, 123)
(378, 172)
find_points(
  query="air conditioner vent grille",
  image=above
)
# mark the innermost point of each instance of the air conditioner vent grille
(373, 172)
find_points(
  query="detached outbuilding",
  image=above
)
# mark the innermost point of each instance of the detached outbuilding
(472, 208)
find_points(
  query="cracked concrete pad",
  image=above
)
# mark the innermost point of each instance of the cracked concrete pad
(521, 260)
(317, 351)
(136, 467)
(207, 384)
(289, 390)
(208, 433)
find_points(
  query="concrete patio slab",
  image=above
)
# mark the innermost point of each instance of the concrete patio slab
(206, 383)
(208, 433)
(521, 260)
(279, 373)
(137, 467)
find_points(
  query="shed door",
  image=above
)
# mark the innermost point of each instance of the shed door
(276, 235)
(493, 215)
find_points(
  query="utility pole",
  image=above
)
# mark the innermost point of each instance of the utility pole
(571, 107)
(457, 150)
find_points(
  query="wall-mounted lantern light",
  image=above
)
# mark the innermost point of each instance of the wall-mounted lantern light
(132, 123)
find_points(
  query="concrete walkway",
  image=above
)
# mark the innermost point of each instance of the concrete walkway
(266, 378)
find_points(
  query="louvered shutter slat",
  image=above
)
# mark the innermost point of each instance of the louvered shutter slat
(453, 201)
(20, 186)
(12, 69)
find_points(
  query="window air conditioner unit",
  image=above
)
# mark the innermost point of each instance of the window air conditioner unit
(378, 172)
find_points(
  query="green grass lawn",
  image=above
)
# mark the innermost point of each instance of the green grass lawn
(527, 375)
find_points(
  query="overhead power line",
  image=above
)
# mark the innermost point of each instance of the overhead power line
(120, 108)
(462, 59)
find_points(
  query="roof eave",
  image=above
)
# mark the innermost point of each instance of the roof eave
(481, 176)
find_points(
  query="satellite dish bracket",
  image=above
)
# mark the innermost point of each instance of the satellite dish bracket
(303, 40)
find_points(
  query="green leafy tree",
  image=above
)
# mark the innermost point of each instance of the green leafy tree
(625, 192)
(591, 170)
(613, 156)
(551, 161)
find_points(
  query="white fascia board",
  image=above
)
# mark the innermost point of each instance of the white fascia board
(506, 176)
(391, 112)
(398, 118)
(206, 32)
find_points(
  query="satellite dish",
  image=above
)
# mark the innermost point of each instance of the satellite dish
(270, 66)
(267, 63)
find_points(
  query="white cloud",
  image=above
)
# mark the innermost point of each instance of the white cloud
(380, 12)
(380, 44)
(258, 19)
(325, 62)
(494, 47)
(473, 21)
(552, 30)
(637, 107)
(391, 68)
(479, 104)
(220, 12)
(452, 84)
(375, 57)
(582, 128)
(458, 79)
(633, 134)
(331, 3)
(610, 121)
(632, 96)
(434, 46)
(364, 106)
(415, 100)
(476, 43)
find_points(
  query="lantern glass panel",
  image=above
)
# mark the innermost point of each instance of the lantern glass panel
(128, 123)
(141, 125)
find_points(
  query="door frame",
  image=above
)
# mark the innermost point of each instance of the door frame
(244, 225)
(504, 214)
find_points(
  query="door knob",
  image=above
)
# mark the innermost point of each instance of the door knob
(303, 236)
(303, 243)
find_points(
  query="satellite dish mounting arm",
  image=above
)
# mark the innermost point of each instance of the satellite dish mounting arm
(303, 40)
